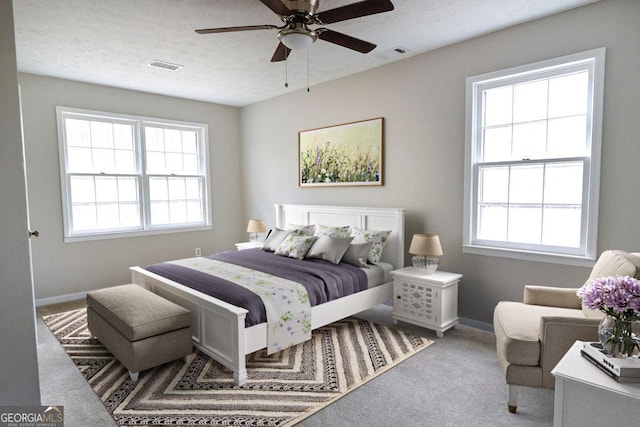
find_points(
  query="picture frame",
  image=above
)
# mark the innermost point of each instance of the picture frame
(349, 154)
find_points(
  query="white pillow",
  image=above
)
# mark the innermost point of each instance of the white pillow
(295, 246)
(378, 240)
(329, 248)
(276, 236)
(331, 231)
(357, 254)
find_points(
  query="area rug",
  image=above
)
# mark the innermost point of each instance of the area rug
(283, 388)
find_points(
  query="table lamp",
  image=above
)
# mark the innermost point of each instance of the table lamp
(427, 249)
(255, 227)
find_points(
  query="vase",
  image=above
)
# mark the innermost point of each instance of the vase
(620, 338)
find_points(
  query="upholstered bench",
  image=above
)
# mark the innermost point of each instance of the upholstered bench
(141, 329)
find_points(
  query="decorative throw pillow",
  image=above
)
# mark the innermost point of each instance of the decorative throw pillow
(328, 230)
(329, 248)
(295, 246)
(357, 254)
(302, 230)
(276, 236)
(378, 240)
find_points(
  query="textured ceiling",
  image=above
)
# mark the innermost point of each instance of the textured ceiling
(110, 42)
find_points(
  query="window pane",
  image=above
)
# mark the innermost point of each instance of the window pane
(173, 140)
(82, 190)
(529, 140)
(159, 213)
(154, 139)
(568, 94)
(108, 215)
(189, 142)
(84, 217)
(106, 189)
(127, 189)
(174, 163)
(193, 188)
(525, 224)
(129, 215)
(177, 189)
(102, 135)
(78, 133)
(178, 212)
(526, 184)
(496, 144)
(191, 164)
(494, 184)
(498, 106)
(563, 183)
(155, 162)
(104, 161)
(562, 226)
(125, 162)
(194, 212)
(530, 101)
(123, 137)
(567, 136)
(79, 160)
(158, 189)
(492, 223)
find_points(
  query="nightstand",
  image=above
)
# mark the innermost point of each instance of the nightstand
(427, 300)
(248, 245)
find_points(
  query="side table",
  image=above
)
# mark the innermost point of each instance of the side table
(427, 300)
(586, 396)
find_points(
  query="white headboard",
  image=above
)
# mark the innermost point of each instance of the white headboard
(360, 217)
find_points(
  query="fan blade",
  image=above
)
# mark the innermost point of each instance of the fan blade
(230, 29)
(354, 10)
(345, 40)
(281, 53)
(277, 7)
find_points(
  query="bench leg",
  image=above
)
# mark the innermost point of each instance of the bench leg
(134, 376)
(188, 358)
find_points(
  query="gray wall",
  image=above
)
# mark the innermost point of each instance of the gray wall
(69, 268)
(19, 382)
(422, 101)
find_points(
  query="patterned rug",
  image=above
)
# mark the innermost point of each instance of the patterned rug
(283, 388)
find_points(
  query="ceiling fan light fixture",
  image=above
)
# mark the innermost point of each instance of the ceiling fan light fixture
(297, 39)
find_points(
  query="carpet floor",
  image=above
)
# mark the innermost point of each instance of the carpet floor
(283, 388)
(456, 382)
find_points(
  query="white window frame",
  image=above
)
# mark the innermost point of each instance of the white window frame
(138, 123)
(593, 61)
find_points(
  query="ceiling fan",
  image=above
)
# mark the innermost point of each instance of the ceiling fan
(297, 15)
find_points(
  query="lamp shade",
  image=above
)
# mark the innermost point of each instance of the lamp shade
(425, 244)
(256, 226)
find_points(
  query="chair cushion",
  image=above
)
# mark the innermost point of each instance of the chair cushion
(136, 312)
(613, 263)
(517, 329)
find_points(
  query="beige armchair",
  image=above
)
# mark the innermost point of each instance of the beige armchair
(533, 335)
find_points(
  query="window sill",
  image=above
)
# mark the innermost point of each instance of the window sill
(573, 260)
(136, 233)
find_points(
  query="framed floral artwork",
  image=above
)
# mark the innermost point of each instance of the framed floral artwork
(341, 155)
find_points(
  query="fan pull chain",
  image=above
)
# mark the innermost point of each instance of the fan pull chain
(286, 73)
(308, 70)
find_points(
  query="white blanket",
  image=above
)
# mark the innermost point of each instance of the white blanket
(286, 302)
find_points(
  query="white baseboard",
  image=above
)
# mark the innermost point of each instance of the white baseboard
(483, 326)
(60, 298)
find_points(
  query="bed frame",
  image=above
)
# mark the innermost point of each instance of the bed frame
(218, 327)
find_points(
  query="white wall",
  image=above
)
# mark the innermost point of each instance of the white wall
(69, 268)
(19, 382)
(422, 101)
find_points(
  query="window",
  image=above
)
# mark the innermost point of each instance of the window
(124, 175)
(532, 160)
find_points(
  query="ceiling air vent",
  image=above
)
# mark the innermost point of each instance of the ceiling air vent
(164, 65)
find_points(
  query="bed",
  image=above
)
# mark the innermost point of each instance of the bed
(219, 327)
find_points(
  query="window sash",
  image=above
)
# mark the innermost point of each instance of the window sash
(125, 214)
(593, 63)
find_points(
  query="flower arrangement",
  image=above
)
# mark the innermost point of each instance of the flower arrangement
(619, 298)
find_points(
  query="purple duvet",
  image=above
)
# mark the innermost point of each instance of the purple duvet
(323, 280)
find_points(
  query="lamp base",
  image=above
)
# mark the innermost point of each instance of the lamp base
(427, 263)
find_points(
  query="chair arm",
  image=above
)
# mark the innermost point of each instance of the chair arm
(551, 296)
(557, 335)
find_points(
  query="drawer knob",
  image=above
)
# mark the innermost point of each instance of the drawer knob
(399, 297)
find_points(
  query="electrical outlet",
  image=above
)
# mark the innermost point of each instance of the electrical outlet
(198, 252)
